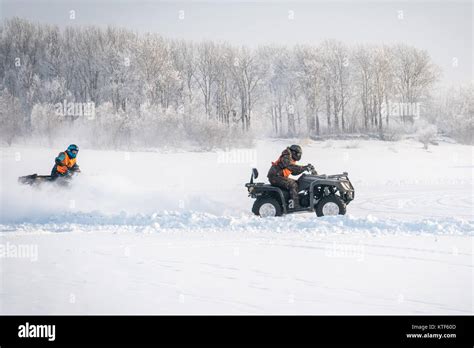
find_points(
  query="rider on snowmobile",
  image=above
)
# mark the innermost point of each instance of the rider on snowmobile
(279, 172)
(65, 163)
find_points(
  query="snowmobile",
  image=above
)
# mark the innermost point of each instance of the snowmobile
(323, 194)
(35, 179)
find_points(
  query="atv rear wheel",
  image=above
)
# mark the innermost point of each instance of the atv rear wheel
(330, 205)
(266, 207)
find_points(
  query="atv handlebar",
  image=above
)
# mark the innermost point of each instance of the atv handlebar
(311, 170)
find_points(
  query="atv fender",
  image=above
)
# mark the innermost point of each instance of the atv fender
(277, 192)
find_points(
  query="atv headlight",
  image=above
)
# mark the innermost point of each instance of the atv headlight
(345, 185)
(251, 188)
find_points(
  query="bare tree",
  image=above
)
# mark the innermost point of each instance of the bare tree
(414, 74)
(309, 73)
(11, 121)
(337, 79)
(206, 72)
(249, 74)
(363, 63)
(140, 80)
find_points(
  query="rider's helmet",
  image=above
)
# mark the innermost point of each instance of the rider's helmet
(296, 152)
(72, 150)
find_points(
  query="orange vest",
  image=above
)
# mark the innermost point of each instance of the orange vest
(286, 172)
(65, 164)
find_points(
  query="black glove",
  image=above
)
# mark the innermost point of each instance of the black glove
(311, 169)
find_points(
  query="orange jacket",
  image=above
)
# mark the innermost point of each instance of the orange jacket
(284, 166)
(285, 171)
(64, 163)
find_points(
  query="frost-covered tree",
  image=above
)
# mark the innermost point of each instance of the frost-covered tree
(206, 72)
(453, 112)
(309, 72)
(11, 117)
(414, 74)
(176, 89)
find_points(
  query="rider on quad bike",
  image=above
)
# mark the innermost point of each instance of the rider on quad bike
(279, 172)
(65, 164)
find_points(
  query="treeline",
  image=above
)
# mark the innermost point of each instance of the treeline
(146, 90)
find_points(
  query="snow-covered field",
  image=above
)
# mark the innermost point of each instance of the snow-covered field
(150, 232)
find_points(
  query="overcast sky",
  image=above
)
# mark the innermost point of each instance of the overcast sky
(444, 28)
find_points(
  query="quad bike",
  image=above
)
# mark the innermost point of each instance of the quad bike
(35, 179)
(323, 194)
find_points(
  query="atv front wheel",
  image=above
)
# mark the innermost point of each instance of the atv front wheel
(266, 207)
(330, 205)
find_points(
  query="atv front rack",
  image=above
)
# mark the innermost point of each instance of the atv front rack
(344, 175)
(33, 178)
